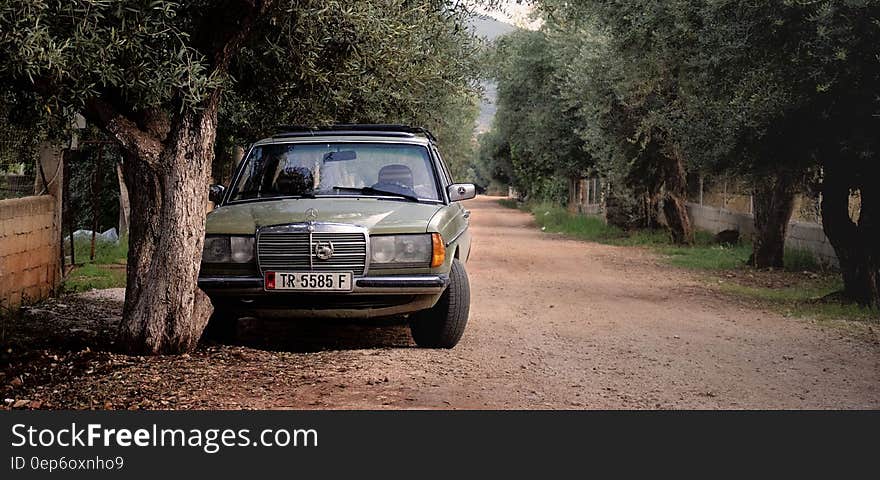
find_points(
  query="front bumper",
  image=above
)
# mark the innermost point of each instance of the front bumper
(371, 297)
(390, 285)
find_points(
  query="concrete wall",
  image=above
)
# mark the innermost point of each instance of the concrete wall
(30, 240)
(29, 250)
(810, 236)
(801, 235)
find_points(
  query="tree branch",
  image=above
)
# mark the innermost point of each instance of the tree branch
(143, 145)
(229, 46)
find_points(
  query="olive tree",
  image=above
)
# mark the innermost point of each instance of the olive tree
(538, 134)
(622, 78)
(156, 76)
(788, 91)
(774, 91)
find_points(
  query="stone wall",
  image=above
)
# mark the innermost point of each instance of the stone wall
(801, 235)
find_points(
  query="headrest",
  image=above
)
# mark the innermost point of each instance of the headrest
(400, 174)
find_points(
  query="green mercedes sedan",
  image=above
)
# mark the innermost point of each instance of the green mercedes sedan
(349, 221)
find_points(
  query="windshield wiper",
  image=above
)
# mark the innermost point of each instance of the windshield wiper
(376, 191)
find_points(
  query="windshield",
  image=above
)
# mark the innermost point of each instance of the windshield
(338, 169)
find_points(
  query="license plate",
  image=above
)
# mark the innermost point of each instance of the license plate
(309, 281)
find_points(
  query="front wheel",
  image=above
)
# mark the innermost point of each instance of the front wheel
(442, 325)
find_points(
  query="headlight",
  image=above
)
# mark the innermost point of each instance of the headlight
(242, 249)
(391, 249)
(221, 249)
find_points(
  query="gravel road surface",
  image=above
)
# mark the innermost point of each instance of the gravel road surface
(555, 324)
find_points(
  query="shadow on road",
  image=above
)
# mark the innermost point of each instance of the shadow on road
(302, 336)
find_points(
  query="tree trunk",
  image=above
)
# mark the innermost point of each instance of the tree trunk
(651, 207)
(774, 204)
(165, 312)
(675, 199)
(857, 245)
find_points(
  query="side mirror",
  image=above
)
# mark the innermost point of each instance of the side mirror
(216, 193)
(461, 191)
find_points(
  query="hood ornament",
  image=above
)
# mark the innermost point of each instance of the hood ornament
(311, 214)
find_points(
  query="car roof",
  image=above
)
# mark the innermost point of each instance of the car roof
(381, 133)
(338, 137)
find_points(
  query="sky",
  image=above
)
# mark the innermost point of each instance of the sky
(513, 13)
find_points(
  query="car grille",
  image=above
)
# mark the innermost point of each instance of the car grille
(294, 251)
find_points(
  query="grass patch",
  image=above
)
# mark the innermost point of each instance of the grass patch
(508, 203)
(107, 271)
(797, 290)
(797, 260)
(805, 298)
(558, 220)
(90, 275)
(707, 257)
(105, 252)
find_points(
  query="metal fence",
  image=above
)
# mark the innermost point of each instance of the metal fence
(19, 152)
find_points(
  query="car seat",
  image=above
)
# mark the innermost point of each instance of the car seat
(400, 175)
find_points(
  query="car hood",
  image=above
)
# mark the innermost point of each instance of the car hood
(380, 216)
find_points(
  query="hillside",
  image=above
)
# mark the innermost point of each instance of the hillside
(489, 28)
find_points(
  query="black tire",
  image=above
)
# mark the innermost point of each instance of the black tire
(221, 326)
(443, 325)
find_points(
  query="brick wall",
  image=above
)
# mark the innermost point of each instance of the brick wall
(29, 250)
(801, 235)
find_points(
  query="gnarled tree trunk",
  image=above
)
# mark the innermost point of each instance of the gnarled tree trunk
(651, 207)
(774, 204)
(167, 169)
(857, 245)
(675, 199)
(165, 312)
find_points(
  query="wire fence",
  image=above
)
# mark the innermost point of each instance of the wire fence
(19, 151)
(735, 195)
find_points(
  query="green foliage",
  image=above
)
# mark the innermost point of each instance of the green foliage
(533, 145)
(377, 61)
(732, 86)
(778, 92)
(85, 168)
(73, 51)
(301, 62)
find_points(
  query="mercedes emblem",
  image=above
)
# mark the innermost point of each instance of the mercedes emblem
(324, 251)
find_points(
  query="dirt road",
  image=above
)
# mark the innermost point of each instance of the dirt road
(557, 323)
(554, 323)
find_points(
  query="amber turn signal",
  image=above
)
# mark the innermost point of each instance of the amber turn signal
(438, 250)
